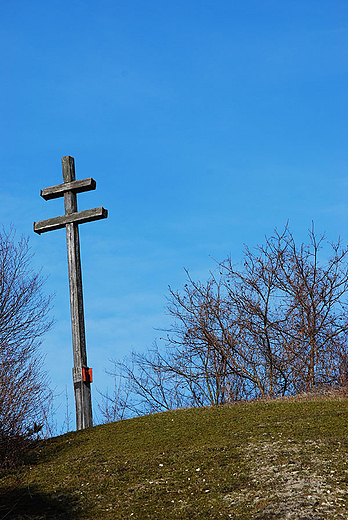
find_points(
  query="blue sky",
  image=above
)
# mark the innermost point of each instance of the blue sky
(206, 124)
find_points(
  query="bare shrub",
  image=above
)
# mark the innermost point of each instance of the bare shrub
(24, 391)
(275, 325)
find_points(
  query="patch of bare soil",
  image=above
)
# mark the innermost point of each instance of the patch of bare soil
(296, 482)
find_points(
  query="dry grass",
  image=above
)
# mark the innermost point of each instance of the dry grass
(265, 460)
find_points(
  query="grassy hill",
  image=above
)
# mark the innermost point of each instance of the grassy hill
(264, 460)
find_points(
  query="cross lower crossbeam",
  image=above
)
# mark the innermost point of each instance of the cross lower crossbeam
(80, 217)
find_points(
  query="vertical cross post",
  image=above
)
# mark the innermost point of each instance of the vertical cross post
(71, 221)
(82, 388)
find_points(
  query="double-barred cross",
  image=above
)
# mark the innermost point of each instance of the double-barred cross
(71, 220)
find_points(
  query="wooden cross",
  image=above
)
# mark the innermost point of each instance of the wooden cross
(71, 220)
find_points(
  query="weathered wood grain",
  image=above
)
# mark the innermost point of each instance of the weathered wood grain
(53, 192)
(80, 217)
(82, 390)
(71, 221)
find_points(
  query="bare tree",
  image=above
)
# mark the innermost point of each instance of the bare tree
(274, 325)
(114, 405)
(144, 383)
(292, 310)
(203, 341)
(315, 297)
(24, 392)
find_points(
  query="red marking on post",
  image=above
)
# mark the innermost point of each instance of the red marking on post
(87, 374)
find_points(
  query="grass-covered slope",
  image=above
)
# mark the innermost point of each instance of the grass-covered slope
(263, 460)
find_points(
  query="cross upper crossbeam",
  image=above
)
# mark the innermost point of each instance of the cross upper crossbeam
(53, 192)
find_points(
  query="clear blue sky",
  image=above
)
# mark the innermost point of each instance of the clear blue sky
(206, 124)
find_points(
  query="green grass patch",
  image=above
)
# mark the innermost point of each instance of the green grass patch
(247, 461)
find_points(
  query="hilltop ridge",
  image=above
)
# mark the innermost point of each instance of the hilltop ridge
(281, 459)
